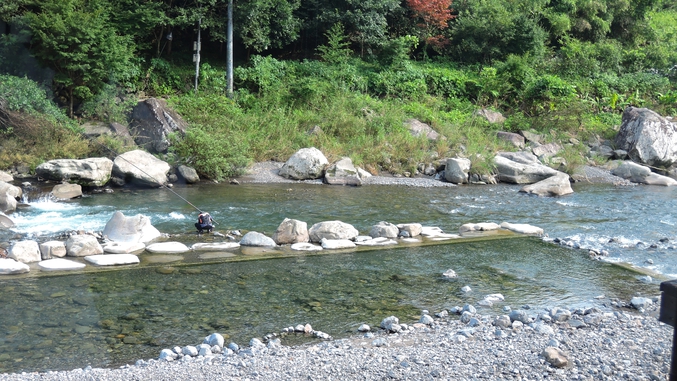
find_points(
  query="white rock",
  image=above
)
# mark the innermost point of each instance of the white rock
(9, 266)
(331, 244)
(431, 231)
(112, 259)
(142, 167)
(52, 249)
(494, 298)
(483, 226)
(82, 245)
(413, 229)
(305, 246)
(332, 230)
(59, 264)
(215, 246)
(130, 229)
(306, 163)
(25, 251)
(449, 274)
(557, 185)
(167, 248)
(522, 228)
(89, 172)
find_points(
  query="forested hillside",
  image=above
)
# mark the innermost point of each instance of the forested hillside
(356, 69)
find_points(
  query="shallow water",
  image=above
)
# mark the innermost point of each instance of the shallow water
(115, 317)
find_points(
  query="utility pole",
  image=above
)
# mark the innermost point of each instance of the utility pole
(196, 55)
(229, 50)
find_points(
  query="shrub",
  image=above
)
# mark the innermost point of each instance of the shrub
(215, 155)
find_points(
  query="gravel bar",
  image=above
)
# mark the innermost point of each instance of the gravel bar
(617, 344)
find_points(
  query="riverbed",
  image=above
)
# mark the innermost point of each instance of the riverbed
(115, 317)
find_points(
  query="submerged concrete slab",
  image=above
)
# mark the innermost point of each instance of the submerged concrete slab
(112, 259)
(208, 256)
(162, 258)
(123, 247)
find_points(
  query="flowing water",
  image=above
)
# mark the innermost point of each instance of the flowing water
(109, 318)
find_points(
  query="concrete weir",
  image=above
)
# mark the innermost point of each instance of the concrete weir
(219, 248)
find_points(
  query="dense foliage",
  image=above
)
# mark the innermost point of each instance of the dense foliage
(356, 69)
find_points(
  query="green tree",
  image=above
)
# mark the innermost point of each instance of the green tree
(485, 31)
(365, 21)
(265, 24)
(77, 41)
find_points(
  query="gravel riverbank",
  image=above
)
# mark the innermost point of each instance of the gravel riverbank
(611, 345)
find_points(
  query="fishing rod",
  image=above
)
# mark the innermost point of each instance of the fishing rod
(146, 173)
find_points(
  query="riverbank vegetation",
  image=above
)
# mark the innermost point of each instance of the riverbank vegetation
(340, 76)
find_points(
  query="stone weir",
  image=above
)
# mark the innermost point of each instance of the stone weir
(132, 241)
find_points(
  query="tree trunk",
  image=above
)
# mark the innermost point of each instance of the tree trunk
(70, 102)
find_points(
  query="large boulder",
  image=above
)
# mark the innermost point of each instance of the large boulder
(490, 115)
(647, 137)
(418, 128)
(518, 173)
(151, 123)
(52, 249)
(94, 171)
(133, 229)
(343, 172)
(66, 191)
(141, 168)
(6, 177)
(82, 245)
(25, 252)
(8, 196)
(456, 170)
(410, 229)
(257, 239)
(516, 140)
(545, 151)
(305, 164)
(332, 230)
(384, 229)
(95, 129)
(291, 231)
(557, 185)
(524, 157)
(188, 174)
(640, 174)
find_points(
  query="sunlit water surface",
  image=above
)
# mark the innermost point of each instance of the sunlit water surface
(110, 318)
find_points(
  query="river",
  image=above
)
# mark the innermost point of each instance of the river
(110, 318)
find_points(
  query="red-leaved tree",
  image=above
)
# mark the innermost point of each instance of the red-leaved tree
(436, 15)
